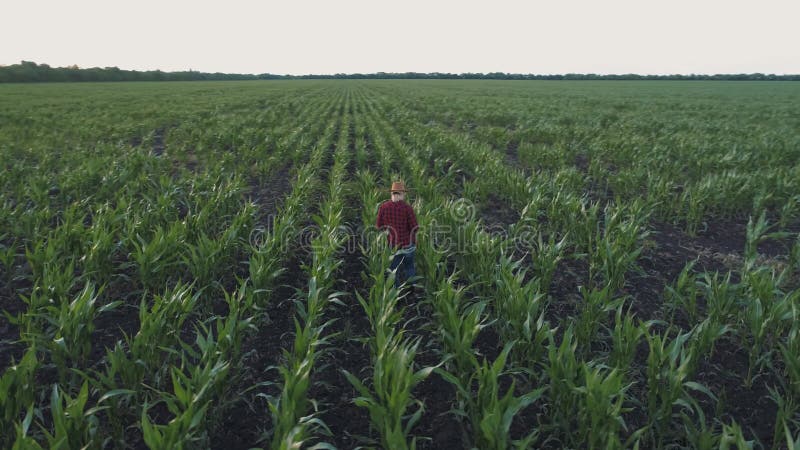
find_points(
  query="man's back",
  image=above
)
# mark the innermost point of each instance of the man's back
(399, 218)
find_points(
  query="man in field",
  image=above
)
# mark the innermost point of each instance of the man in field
(398, 218)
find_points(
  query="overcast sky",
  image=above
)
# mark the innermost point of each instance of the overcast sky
(349, 36)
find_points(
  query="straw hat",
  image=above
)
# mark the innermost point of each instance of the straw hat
(398, 186)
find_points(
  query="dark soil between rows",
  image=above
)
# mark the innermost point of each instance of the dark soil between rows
(269, 194)
(249, 419)
(348, 351)
(158, 139)
(497, 214)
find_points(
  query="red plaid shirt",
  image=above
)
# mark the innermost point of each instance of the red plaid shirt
(399, 218)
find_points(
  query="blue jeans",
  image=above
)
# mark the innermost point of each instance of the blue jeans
(404, 263)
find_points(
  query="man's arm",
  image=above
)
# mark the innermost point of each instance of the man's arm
(381, 219)
(412, 224)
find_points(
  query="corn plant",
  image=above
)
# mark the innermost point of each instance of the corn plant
(683, 293)
(159, 329)
(432, 263)
(361, 147)
(73, 425)
(40, 254)
(233, 327)
(764, 313)
(704, 335)
(70, 234)
(545, 258)
(789, 210)
(266, 256)
(156, 258)
(721, 296)
(189, 402)
(594, 310)
(102, 244)
(787, 407)
(568, 211)
(264, 270)
(584, 224)
(693, 208)
(17, 392)
(601, 397)
(235, 238)
(625, 338)
(793, 263)
(481, 249)
(292, 424)
(563, 375)
(733, 438)
(72, 323)
(490, 412)
(477, 251)
(790, 352)
(52, 289)
(755, 233)
(458, 325)
(23, 441)
(698, 434)
(8, 255)
(669, 384)
(520, 306)
(792, 443)
(619, 244)
(393, 379)
(370, 197)
(380, 305)
(204, 259)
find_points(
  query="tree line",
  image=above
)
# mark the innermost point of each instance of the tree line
(27, 72)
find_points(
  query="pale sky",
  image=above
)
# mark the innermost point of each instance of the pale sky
(349, 36)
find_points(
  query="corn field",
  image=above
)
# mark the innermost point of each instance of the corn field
(601, 265)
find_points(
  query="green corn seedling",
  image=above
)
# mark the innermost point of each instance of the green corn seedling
(156, 258)
(204, 259)
(763, 313)
(625, 338)
(563, 374)
(594, 309)
(393, 379)
(23, 441)
(458, 326)
(159, 329)
(546, 257)
(489, 412)
(520, 307)
(72, 323)
(601, 397)
(733, 438)
(17, 392)
(73, 425)
(669, 384)
(704, 335)
(787, 408)
(189, 404)
(721, 296)
(698, 433)
(683, 293)
(790, 351)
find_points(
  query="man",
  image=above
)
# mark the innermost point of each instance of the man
(398, 218)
